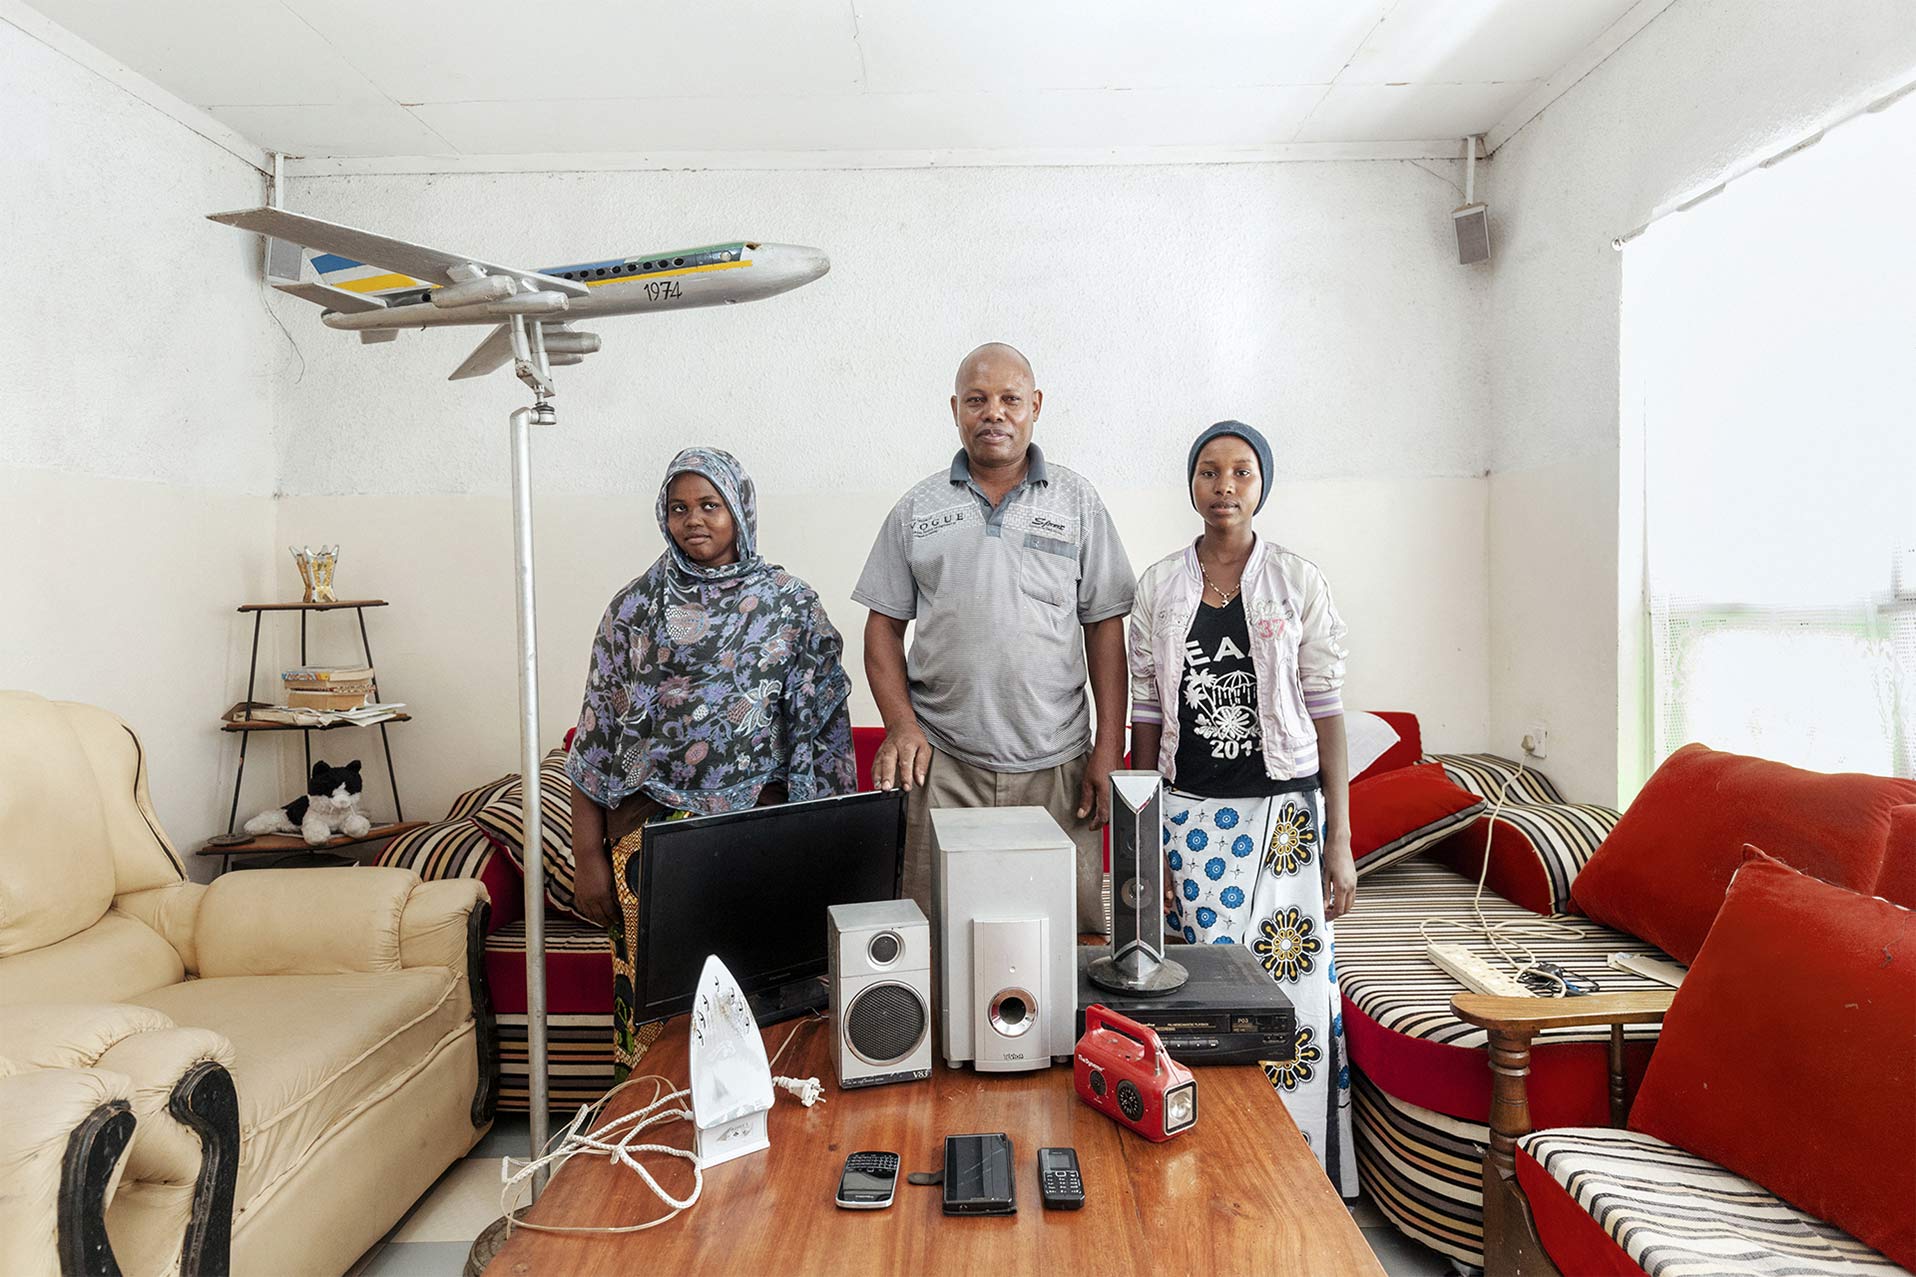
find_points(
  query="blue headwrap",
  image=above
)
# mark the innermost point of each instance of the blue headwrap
(1248, 435)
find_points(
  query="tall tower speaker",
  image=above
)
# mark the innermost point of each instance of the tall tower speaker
(1137, 963)
(881, 992)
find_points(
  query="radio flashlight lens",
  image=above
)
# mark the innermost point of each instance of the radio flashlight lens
(1180, 1107)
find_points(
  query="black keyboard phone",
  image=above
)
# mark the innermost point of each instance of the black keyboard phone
(868, 1181)
(978, 1178)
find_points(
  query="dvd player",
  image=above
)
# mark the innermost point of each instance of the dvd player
(1228, 1012)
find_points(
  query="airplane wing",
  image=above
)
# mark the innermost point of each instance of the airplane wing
(429, 265)
(332, 298)
(490, 353)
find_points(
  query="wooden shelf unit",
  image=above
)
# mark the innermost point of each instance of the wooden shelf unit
(246, 729)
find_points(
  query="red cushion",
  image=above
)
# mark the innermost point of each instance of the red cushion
(865, 743)
(1789, 1054)
(507, 887)
(1408, 749)
(1575, 1242)
(576, 983)
(1516, 870)
(1661, 873)
(1898, 880)
(1388, 808)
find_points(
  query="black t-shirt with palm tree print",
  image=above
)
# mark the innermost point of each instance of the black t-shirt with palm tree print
(1220, 748)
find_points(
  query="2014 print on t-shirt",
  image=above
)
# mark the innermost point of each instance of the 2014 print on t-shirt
(1222, 689)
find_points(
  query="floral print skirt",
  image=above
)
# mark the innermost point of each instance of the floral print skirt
(1249, 871)
(629, 1041)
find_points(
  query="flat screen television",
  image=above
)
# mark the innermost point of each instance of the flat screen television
(753, 887)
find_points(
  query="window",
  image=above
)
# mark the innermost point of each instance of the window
(1770, 337)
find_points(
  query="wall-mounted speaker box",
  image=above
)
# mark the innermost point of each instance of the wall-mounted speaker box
(880, 961)
(1005, 929)
(1473, 233)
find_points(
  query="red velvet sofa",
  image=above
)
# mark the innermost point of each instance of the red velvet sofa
(1646, 884)
(1775, 1130)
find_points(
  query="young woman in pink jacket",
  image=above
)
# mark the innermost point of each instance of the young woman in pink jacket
(1237, 662)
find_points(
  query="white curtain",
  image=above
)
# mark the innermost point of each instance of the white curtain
(1772, 332)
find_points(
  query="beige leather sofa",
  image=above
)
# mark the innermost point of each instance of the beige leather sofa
(61, 1140)
(348, 1005)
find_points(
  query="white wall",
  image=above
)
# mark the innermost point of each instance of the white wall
(1321, 302)
(136, 454)
(1706, 87)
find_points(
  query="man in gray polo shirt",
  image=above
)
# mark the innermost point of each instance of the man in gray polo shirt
(1016, 579)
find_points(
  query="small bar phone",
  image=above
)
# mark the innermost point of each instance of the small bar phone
(868, 1182)
(1058, 1179)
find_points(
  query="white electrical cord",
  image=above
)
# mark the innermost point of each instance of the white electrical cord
(1495, 934)
(620, 1149)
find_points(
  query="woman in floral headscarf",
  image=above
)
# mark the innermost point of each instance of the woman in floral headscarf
(715, 685)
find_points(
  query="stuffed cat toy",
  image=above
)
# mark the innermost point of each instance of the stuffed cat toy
(331, 806)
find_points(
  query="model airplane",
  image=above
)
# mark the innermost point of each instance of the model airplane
(375, 286)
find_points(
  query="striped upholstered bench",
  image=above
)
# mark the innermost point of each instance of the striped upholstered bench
(1421, 1085)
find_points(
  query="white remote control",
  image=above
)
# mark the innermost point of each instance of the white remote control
(1642, 964)
(1471, 971)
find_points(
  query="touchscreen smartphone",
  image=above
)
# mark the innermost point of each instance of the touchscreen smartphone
(978, 1178)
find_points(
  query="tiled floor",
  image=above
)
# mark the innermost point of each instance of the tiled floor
(433, 1238)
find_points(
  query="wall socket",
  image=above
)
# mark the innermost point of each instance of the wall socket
(1536, 741)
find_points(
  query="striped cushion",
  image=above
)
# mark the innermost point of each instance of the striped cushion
(473, 799)
(1674, 1214)
(448, 849)
(1486, 774)
(1383, 968)
(1538, 851)
(504, 819)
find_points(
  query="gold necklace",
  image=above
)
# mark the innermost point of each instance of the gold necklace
(1223, 598)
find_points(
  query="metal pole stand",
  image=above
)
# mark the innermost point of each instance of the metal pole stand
(529, 355)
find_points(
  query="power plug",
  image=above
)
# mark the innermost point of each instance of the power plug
(1536, 741)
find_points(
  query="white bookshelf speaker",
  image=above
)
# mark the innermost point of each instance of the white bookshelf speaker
(881, 992)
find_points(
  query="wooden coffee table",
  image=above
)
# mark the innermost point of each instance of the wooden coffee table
(1239, 1193)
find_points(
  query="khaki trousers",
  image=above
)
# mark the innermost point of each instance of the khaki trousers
(951, 783)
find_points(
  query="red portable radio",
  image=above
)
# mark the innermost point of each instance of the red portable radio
(1123, 1071)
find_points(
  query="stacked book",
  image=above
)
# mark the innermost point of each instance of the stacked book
(328, 687)
(302, 716)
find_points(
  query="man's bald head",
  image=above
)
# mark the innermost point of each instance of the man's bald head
(995, 402)
(992, 352)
